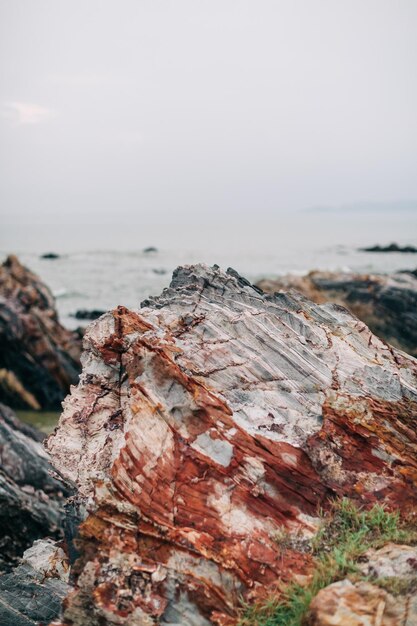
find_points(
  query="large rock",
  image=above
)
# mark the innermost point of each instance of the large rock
(39, 358)
(386, 303)
(209, 421)
(31, 499)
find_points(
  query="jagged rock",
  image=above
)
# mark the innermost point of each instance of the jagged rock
(386, 303)
(39, 358)
(361, 604)
(32, 593)
(31, 500)
(209, 421)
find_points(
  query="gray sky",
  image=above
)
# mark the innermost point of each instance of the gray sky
(203, 108)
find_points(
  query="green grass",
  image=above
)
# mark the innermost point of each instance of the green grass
(346, 534)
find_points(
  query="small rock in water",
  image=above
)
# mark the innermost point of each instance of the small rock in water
(150, 249)
(86, 314)
(392, 247)
(50, 255)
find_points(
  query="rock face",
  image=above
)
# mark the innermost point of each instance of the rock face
(386, 303)
(31, 500)
(39, 359)
(209, 421)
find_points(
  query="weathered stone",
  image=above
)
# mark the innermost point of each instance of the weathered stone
(386, 303)
(209, 421)
(31, 499)
(39, 358)
(361, 604)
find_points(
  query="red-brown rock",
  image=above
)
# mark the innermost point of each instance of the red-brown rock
(39, 358)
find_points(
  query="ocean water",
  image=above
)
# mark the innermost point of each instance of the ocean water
(103, 264)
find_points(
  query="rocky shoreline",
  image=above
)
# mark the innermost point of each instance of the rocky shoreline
(208, 428)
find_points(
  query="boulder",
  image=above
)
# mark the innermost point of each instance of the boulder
(361, 604)
(387, 303)
(39, 358)
(209, 422)
(31, 498)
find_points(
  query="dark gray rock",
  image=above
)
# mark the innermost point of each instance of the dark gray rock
(32, 593)
(31, 498)
(392, 247)
(86, 314)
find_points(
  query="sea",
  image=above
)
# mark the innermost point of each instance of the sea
(104, 263)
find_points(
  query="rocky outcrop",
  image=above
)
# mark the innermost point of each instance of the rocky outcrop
(207, 423)
(32, 593)
(31, 499)
(39, 358)
(386, 303)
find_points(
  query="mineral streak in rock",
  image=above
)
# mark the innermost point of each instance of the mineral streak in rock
(39, 358)
(210, 420)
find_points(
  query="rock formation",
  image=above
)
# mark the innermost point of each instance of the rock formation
(208, 422)
(31, 499)
(386, 303)
(39, 359)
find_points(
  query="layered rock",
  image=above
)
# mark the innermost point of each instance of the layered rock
(386, 303)
(207, 423)
(32, 593)
(39, 358)
(31, 499)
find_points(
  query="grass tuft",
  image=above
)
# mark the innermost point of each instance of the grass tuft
(346, 534)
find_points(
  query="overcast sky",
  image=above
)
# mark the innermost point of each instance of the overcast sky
(202, 108)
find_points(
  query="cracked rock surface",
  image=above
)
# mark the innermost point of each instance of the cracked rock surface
(39, 358)
(210, 420)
